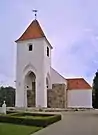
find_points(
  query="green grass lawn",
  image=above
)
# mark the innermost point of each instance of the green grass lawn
(12, 129)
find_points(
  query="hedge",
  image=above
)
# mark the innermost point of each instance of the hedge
(10, 112)
(31, 122)
(31, 114)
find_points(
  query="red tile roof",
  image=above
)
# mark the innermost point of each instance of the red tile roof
(32, 32)
(77, 83)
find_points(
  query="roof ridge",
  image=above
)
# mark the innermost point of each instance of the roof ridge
(58, 73)
(40, 28)
(75, 78)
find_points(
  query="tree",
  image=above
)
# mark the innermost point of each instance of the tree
(95, 91)
(7, 94)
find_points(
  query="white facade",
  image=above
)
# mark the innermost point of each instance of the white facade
(79, 98)
(57, 78)
(35, 61)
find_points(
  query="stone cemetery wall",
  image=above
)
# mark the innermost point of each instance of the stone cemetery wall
(56, 97)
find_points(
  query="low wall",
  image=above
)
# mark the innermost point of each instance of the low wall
(56, 97)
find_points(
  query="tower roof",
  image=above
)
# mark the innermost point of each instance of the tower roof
(32, 32)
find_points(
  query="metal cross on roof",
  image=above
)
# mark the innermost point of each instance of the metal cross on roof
(35, 11)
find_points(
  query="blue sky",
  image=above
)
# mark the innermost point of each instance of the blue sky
(71, 26)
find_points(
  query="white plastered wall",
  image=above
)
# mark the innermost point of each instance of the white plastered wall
(57, 78)
(37, 62)
(80, 98)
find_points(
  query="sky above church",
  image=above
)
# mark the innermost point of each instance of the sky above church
(71, 26)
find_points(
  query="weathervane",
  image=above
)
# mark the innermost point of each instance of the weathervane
(35, 11)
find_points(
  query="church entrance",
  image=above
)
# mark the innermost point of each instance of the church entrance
(31, 89)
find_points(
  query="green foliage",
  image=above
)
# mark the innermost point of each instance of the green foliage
(95, 81)
(29, 114)
(95, 91)
(7, 94)
(31, 121)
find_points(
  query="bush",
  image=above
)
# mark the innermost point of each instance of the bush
(11, 112)
(31, 114)
(30, 121)
(7, 94)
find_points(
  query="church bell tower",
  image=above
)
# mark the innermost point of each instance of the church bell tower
(33, 75)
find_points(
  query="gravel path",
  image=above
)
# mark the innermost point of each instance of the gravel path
(74, 123)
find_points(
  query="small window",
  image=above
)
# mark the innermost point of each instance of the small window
(48, 51)
(30, 47)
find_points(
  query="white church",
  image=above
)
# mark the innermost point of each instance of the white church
(37, 83)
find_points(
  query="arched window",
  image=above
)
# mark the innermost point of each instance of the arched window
(48, 51)
(30, 47)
